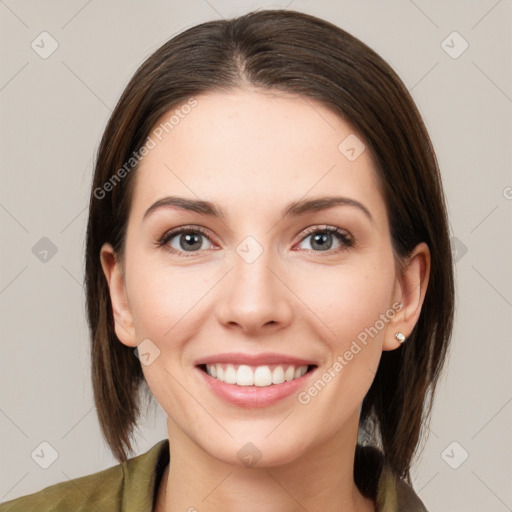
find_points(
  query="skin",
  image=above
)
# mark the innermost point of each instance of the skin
(251, 153)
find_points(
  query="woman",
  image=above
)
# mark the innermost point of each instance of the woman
(267, 250)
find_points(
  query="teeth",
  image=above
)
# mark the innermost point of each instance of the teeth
(230, 374)
(289, 374)
(260, 376)
(300, 371)
(244, 376)
(278, 375)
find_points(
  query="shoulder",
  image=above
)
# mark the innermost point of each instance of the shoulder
(133, 481)
(102, 489)
(395, 495)
(376, 481)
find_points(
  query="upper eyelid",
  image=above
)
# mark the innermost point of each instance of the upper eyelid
(324, 227)
(180, 229)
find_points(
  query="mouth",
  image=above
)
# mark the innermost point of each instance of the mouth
(253, 381)
(258, 376)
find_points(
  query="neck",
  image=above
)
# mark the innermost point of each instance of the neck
(321, 479)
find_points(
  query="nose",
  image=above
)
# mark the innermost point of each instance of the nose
(256, 297)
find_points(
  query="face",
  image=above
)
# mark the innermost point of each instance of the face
(263, 314)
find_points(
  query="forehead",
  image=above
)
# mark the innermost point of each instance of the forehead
(247, 148)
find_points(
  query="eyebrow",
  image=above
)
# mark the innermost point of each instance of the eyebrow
(295, 208)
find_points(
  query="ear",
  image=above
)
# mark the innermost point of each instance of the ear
(410, 290)
(123, 319)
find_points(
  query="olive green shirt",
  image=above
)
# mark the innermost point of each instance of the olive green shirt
(132, 487)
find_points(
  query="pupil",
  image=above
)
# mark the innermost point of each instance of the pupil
(191, 239)
(321, 238)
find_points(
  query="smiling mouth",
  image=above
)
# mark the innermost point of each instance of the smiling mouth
(259, 376)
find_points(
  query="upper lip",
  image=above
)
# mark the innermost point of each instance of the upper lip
(254, 359)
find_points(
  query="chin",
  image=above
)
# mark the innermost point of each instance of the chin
(259, 453)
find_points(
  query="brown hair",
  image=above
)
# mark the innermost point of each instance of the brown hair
(296, 53)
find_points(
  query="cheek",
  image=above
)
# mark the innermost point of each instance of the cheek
(168, 306)
(162, 297)
(169, 302)
(348, 299)
(354, 305)
(354, 309)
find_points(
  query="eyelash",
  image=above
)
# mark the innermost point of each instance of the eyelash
(347, 240)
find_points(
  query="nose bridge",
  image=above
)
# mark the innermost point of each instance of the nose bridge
(252, 270)
(254, 295)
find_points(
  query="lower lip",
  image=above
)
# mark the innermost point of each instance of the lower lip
(254, 396)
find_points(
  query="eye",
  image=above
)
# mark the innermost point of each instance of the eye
(187, 239)
(322, 239)
(193, 239)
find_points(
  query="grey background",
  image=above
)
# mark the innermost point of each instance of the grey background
(53, 111)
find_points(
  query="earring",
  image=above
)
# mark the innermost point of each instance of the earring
(400, 337)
